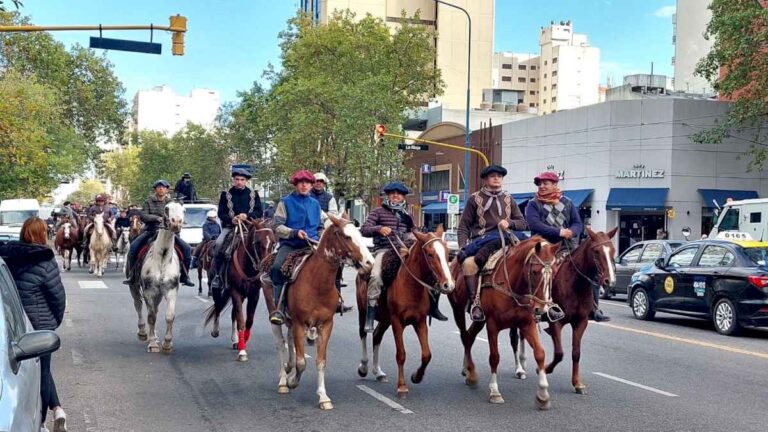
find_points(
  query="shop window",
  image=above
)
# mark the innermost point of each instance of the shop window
(435, 181)
(755, 217)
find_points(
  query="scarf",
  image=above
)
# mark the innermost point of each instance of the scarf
(550, 198)
(494, 197)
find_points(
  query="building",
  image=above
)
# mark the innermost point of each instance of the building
(631, 164)
(640, 86)
(689, 23)
(161, 109)
(451, 43)
(517, 73)
(569, 69)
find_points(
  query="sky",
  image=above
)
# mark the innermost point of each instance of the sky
(229, 43)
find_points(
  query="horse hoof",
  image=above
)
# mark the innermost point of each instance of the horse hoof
(142, 336)
(471, 380)
(382, 379)
(542, 404)
(214, 333)
(521, 375)
(402, 393)
(234, 345)
(292, 383)
(310, 342)
(362, 371)
(325, 406)
(415, 378)
(580, 389)
(242, 356)
(464, 372)
(153, 349)
(283, 389)
(496, 399)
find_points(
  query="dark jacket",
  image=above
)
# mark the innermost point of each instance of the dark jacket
(153, 211)
(401, 223)
(481, 217)
(37, 278)
(241, 203)
(536, 214)
(122, 222)
(211, 230)
(188, 191)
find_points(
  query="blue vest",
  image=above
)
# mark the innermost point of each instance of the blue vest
(324, 198)
(303, 214)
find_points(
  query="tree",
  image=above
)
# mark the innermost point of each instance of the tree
(16, 3)
(121, 166)
(87, 192)
(737, 67)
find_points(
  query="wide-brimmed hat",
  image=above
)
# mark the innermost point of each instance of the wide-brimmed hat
(498, 169)
(547, 175)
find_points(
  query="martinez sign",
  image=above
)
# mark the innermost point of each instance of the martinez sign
(639, 172)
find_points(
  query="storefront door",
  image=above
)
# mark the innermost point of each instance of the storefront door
(635, 228)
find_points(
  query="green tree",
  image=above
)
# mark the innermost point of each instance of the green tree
(740, 32)
(87, 192)
(205, 156)
(16, 3)
(121, 167)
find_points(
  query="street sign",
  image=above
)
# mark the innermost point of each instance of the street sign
(415, 147)
(126, 45)
(426, 168)
(453, 204)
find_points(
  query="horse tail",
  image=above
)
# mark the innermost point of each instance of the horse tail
(219, 303)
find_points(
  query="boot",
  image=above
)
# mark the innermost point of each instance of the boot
(476, 311)
(277, 317)
(184, 278)
(370, 317)
(598, 316)
(434, 310)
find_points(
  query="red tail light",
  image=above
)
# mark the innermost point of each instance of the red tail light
(758, 281)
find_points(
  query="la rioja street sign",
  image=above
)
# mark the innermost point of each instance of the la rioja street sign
(416, 147)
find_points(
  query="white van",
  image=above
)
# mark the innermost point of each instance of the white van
(747, 216)
(13, 213)
(194, 218)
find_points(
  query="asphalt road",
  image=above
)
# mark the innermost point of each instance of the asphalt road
(671, 374)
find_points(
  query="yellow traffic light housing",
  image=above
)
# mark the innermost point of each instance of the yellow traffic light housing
(178, 27)
(379, 132)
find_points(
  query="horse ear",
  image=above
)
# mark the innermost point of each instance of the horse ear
(538, 247)
(612, 232)
(336, 221)
(345, 215)
(420, 236)
(555, 248)
(439, 231)
(591, 233)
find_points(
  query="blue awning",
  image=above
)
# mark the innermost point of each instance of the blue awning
(721, 195)
(578, 196)
(637, 199)
(439, 207)
(521, 198)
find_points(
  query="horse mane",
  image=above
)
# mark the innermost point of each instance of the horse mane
(520, 252)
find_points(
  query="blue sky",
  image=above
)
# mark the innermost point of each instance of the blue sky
(229, 43)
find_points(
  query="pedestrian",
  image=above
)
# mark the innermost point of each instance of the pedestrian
(37, 278)
(185, 189)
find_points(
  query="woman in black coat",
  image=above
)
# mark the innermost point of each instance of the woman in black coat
(37, 278)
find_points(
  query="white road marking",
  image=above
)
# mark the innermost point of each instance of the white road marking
(77, 358)
(613, 303)
(91, 284)
(204, 300)
(68, 322)
(387, 401)
(307, 355)
(634, 384)
(477, 337)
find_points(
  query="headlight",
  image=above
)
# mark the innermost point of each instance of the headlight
(635, 276)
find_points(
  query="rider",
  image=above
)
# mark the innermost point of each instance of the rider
(185, 189)
(66, 210)
(122, 222)
(389, 219)
(237, 203)
(152, 214)
(298, 220)
(488, 209)
(553, 216)
(99, 207)
(211, 227)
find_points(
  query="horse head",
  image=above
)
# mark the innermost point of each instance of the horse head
(532, 261)
(66, 227)
(600, 255)
(98, 223)
(346, 242)
(174, 216)
(261, 238)
(435, 253)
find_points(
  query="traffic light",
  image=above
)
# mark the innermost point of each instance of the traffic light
(178, 27)
(379, 132)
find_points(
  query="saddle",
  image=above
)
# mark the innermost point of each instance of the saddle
(291, 267)
(141, 255)
(493, 261)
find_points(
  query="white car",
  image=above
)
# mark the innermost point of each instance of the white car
(451, 238)
(194, 218)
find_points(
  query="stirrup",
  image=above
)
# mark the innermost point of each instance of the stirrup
(276, 318)
(555, 313)
(476, 313)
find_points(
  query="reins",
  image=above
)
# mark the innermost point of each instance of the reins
(579, 272)
(421, 282)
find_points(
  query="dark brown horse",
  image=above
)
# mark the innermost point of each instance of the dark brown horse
(424, 268)
(520, 283)
(312, 302)
(241, 282)
(135, 227)
(204, 254)
(67, 242)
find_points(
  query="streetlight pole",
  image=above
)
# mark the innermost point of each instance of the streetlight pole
(466, 126)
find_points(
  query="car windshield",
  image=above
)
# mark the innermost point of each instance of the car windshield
(16, 217)
(757, 255)
(195, 217)
(451, 237)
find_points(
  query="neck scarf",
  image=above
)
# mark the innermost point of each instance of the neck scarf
(493, 197)
(550, 198)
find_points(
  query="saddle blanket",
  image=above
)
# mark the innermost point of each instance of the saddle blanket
(291, 267)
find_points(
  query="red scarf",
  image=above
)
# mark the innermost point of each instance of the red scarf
(550, 198)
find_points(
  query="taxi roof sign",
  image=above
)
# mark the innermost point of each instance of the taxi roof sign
(733, 235)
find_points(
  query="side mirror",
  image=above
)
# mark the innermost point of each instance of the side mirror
(659, 263)
(35, 344)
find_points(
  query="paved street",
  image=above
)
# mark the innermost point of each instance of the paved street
(672, 374)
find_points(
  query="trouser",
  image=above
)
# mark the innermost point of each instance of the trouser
(338, 278)
(48, 394)
(472, 265)
(217, 251)
(375, 282)
(276, 273)
(141, 240)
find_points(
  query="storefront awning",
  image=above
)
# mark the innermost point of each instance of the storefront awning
(637, 199)
(578, 196)
(521, 198)
(439, 207)
(721, 195)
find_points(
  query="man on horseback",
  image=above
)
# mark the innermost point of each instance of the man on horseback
(153, 214)
(236, 204)
(488, 213)
(211, 227)
(298, 221)
(553, 216)
(99, 207)
(66, 210)
(185, 189)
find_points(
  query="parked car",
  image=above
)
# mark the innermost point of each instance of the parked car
(451, 238)
(194, 218)
(638, 256)
(20, 403)
(722, 280)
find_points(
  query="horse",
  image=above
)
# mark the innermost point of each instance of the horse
(99, 246)
(158, 279)
(407, 303)
(67, 241)
(242, 282)
(135, 227)
(312, 300)
(204, 254)
(122, 246)
(520, 282)
(591, 263)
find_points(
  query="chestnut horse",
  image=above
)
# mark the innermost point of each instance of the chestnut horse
(204, 254)
(135, 227)
(242, 282)
(67, 242)
(312, 302)
(407, 303)
(520, 282)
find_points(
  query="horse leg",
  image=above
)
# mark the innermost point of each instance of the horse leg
(277, 333)
(322, 345)
(578, 333)
(233, 318)
(378, 335)
(470, 372)
(426, 355)
(253, 302)
(152, 300)
(170, 315)
(397, 330)
(362, 368)
(298, 334)
(138, 303)
(238, 324)
(542, 394)
(493, 360)
(556, 332)
(518, 347)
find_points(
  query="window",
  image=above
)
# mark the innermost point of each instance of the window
(554, 99)
(758, 255)
(533, 67)
(521, 67)
(554, 73)
(716, 256)
(730, 220)
(506, 66)
(554, 60)
(532, 92)
(545, 62)
(521, 79)
(435, 181)
(545, 88)
(519, 101)
(506, 79)
(532, 105)
(554, 86)
(544, 101)
(545, 75)
(652, 252)
(755, 217)
(533, 79)
(632, 255)
(683, 258)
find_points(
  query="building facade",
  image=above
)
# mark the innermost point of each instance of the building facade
(631, 164)
(519, 73)
(689, 23)
(161, 109)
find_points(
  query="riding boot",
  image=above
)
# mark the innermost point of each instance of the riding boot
(434, 310)
(341, 308)
(184, 277)
(277, 317)
(128, 270)
(370, 317)
(193, 263)
(597, 315)
(476, 311)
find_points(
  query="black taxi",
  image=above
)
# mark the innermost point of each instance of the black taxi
(725, 280)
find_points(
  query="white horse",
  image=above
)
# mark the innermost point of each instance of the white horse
(159, 278)
(100, 246)
(123, 244)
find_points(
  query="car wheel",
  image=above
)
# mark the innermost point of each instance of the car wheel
(725, 317)
(641, 305)
(605, 294)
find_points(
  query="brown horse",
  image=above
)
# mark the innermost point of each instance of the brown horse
(520, 283)
(68, 241)
(312, 300)
(204, 254)
(254, 242)
(135, 227)
(425, 268)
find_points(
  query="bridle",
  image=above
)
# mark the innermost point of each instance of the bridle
(430, 288)
(600, 271)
